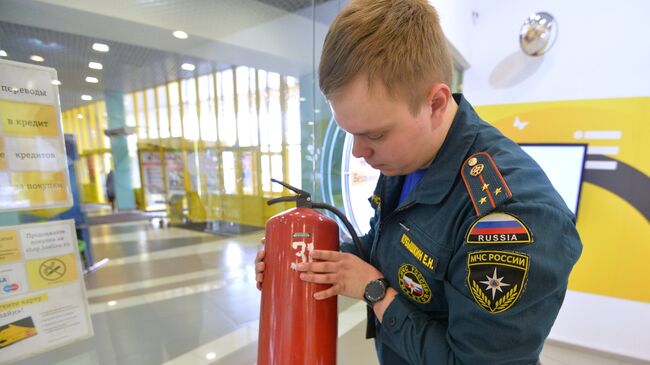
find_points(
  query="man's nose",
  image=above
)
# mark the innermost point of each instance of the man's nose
(360, 149)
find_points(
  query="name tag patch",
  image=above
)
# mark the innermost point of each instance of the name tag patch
(498, 228)
(424, 258)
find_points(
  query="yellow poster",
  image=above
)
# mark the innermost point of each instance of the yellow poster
(614, 211)
(38, 188)
(33, 161)
(24, 302)
(52, 271)
(28, 120)
(9, 246)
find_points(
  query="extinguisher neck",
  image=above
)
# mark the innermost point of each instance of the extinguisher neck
(304, 201)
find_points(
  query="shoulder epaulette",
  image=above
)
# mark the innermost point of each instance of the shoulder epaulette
(484, 183)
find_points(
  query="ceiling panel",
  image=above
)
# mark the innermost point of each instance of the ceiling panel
(126, 67)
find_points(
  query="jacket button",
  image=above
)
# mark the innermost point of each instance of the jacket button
(392, 321)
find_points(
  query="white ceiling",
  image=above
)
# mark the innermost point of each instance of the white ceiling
(276, 35)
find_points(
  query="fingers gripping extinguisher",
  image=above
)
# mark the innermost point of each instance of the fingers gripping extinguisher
(295, 328)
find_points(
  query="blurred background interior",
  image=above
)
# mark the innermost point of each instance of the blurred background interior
(194, 105)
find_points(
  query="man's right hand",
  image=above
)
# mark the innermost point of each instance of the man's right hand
(259, 267)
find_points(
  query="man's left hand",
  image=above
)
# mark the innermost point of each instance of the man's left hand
(347, 273)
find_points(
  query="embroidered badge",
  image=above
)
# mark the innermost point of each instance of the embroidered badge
(496, 278)
(413, 284)
(498, 228)
(484, 182)
(428, 261)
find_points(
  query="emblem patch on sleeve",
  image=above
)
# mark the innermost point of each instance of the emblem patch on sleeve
(496, 278)
(498, 228)
(413, 284)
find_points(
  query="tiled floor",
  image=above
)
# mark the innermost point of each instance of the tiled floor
(175, 296)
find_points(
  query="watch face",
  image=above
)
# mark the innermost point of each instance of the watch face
(375, 290)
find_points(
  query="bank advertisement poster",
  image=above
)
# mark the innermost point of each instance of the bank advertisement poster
(33, 167)
(43, 302)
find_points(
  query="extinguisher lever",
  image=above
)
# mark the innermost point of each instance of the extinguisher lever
(292, 188)
(303, 199)
(282, 199)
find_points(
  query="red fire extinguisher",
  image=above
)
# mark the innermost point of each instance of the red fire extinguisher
(295, 328)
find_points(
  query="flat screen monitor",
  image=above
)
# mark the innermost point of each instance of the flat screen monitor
(563, 164)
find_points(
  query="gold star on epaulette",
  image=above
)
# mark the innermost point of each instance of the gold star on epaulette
(482, 200)
(485, 187)
(497, 191)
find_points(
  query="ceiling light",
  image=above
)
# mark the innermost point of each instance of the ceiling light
(3, 53)
(86, 97)
(180, 34)
(188, 67)
(80, 116)
(95, 65)
(92, 80)
(36, 58)
(211, 356)
(101, 47)
(55, 82)
(111, 303)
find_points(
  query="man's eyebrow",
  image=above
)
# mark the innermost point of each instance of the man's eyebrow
(365, 133)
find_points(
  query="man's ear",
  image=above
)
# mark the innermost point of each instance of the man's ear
(438, 100)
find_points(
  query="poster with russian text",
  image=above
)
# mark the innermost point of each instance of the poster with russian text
(33, 168)
(43, 302)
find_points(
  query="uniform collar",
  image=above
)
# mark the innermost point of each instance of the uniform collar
(445, 168)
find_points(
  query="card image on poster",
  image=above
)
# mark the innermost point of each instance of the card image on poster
(17, 331)
(53, 295)
(33, 169)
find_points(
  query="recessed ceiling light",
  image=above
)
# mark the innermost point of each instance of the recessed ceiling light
(92, 80)
(86, 97)
(101, 47)
(188, 67)
(95, 65)
(36, 58)
(55, 82)
(180, 34)
(3, 53)
(211, 356)
(80, 116)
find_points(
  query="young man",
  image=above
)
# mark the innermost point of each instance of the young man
(470, 248)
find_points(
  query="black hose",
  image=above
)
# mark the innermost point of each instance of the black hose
(345, 221)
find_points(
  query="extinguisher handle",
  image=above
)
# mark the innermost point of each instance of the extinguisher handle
(292, 188)
(282, 199)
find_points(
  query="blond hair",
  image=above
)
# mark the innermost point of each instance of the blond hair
(397, 42)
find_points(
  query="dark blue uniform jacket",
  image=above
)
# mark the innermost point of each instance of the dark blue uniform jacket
(480, 253)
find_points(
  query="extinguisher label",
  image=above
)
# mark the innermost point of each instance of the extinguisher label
(301, 257)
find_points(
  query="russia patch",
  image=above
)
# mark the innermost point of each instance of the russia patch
(497, 228)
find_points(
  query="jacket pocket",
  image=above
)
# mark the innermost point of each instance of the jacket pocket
(429, 254)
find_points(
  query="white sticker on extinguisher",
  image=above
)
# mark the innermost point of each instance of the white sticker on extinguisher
(301, 247)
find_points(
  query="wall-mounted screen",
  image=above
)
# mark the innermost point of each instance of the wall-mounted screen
(563, 164)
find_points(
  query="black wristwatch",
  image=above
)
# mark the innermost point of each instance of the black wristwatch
(375, 291)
